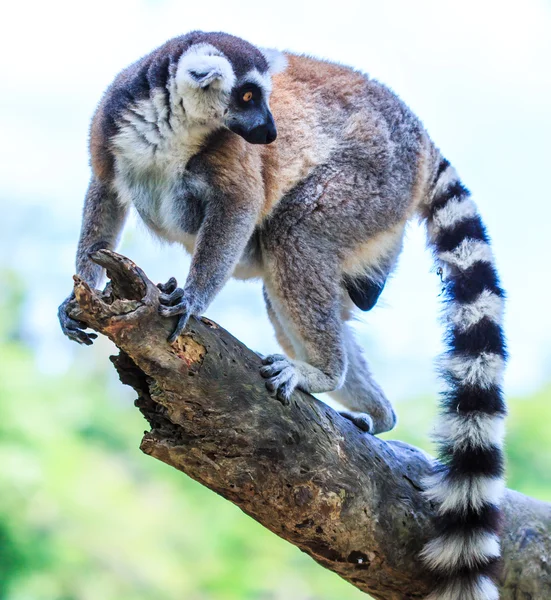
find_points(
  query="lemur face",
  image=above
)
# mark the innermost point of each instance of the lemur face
(228, 89)
(248, 112)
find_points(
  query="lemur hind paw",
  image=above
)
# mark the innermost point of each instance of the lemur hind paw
(362, 420)
(281, 376)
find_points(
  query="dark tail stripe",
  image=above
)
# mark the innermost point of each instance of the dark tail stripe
(487, 518)
(468, 577)
(484, 336)
(444, 164)
(466, 286)
(472, 229)
(454, 190)
(472, 461)
(466, 400)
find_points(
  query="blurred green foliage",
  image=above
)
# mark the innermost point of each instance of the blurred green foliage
(85, 515)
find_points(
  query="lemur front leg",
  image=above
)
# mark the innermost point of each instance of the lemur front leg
(222, 238)
(102, 221)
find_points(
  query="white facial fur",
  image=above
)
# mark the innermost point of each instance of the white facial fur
(262, 80)
(204, 79)
(277, 62)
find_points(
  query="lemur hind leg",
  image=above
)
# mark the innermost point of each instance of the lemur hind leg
(306, 302)
(367, 405)
(326, 356)
(280, 334)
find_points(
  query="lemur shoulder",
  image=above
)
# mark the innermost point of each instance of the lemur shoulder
(187, 136)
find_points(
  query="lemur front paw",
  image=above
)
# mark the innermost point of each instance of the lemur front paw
(72, 328)
(169, 286)
(173, 302)
(281, 376)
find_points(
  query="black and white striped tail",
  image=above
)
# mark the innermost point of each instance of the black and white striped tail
(468, 484)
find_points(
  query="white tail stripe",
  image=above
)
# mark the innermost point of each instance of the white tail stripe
(461, 550)
(477, 430)
(482, 589)
(467, 253)
(483, 370)
(460, 495)
(452, 213)
(448, 177)
(487, 305)
(486, 590)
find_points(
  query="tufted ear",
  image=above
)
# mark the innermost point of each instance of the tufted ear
(277, 61)
(204, 77)
(200, 70)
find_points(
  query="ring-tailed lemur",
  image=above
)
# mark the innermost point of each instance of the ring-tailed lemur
(320, 216)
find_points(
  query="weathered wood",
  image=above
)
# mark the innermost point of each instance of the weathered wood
(349, 500)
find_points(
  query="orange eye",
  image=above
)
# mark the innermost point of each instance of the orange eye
(247, 96)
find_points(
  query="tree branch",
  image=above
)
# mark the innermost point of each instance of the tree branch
(349, 500)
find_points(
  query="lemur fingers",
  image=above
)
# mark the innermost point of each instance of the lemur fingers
(175, 304)
(274, 368)
(273, 358)
(281, 376)
(72, 328)
(169, 286)
(171, 310)
(285, 375)
(76, 333)
(173, 298)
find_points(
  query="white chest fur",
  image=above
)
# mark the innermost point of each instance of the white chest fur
(169, 201)
(152, 148)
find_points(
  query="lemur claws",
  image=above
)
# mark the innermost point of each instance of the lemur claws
(72, 328)
(281, 376)
(180, 326)
(181, 308)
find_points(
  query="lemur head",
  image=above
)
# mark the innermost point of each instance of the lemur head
(224, 81)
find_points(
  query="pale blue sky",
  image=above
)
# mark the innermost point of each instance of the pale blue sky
(476, 72)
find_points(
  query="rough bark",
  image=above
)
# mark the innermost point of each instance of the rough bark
(349, 500)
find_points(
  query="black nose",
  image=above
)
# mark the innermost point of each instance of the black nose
(263, 134)
(271, 135)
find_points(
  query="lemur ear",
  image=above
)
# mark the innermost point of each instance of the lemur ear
(200, 70)
(277, 61)
(204, 78)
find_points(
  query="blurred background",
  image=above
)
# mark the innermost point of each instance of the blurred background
(83, 514)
